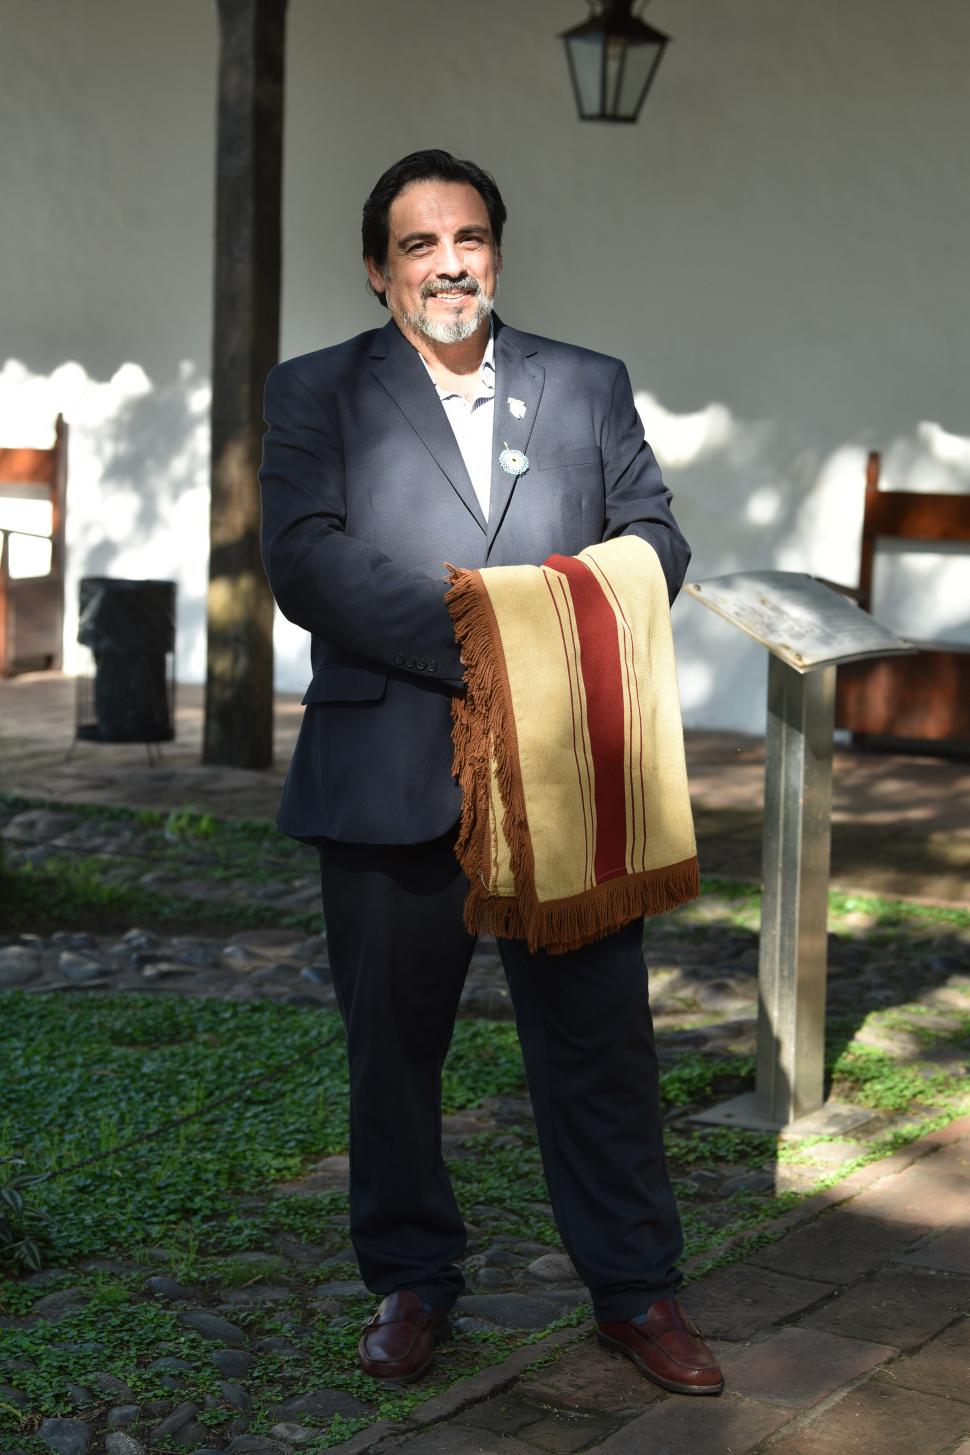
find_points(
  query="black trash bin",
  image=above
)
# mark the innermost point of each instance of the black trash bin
(130, 628)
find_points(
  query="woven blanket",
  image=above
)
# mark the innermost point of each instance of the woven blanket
(569, 748)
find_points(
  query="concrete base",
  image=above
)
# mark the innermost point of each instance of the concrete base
(834, 1119)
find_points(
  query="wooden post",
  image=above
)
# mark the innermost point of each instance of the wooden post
(245, 344)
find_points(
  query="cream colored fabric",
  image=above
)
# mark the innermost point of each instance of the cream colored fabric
(531, 837)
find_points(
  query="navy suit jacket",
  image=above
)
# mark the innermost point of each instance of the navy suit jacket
(365, 496)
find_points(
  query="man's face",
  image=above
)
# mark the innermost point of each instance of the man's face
(442, 265)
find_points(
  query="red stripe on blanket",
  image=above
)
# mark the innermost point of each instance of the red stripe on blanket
(599, 652)
(637, 860)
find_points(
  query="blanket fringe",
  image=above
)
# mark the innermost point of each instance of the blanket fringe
(562, 925)
(483, 728)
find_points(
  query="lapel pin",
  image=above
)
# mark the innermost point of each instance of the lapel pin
(513, 462)
(517, 408)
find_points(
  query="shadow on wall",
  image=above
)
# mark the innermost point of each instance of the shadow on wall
(750, 494)
(137, 492)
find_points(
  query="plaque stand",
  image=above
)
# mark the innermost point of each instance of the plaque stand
(807, 629)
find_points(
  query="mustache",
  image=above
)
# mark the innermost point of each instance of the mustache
(465, 284)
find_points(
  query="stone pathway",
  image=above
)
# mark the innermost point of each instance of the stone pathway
(851, 1326)
(901, 823)
(850, 1334)
(168, 857)
(703, 972)
(865, 1293)
(703, 958)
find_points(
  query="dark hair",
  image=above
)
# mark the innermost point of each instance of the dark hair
(428, 166)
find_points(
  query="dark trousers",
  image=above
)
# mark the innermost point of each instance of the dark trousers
(399, 953)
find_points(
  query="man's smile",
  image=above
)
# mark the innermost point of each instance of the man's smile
(461, 287)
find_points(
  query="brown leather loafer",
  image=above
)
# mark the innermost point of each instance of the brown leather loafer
(667, 1348)
(399, 1338)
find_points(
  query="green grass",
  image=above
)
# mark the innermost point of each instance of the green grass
(165, 1124)
(79, 894)
(184, 823)
(83, 892)
(870, 1077)
(91, 891)
(152, 1116)
(150, 1112)
(87, 1084)
(887, 914)
(162, 1125)
(161, 1147)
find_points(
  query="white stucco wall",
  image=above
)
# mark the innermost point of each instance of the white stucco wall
(777, 250)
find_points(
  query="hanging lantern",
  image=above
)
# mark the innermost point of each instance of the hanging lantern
(613, 58)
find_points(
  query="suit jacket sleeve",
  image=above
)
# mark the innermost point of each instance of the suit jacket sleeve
(637, 501)
(334, 585)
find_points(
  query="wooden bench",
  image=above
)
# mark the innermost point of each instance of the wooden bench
(32, 606)
(925, 697)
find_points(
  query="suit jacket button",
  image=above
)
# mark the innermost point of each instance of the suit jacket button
(399, 661)
(420, 664)
(409, 661)
(432, 666)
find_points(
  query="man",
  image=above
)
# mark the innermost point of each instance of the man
(382, 461)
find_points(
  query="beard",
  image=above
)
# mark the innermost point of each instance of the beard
(449, 331)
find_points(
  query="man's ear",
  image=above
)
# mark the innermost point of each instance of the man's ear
(376, 277)
(498, 260)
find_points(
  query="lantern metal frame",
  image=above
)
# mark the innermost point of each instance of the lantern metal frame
(613, 20)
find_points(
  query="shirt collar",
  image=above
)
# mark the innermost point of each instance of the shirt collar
(486, 373)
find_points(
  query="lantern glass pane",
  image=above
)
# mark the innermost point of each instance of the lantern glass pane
(586, 53)
(633, 76)
(615, 53)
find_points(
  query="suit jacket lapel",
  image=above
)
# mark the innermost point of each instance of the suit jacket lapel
(520, 377)
(399, 369)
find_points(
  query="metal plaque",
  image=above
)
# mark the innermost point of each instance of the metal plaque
(799, 620)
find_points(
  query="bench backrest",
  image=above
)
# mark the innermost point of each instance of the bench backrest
(905, 515)
(32, 607)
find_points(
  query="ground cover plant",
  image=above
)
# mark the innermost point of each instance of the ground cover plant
(199, 1140)
(163, 1127)
(116, 866)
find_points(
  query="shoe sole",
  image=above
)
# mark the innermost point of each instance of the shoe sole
(412, 1378)
(612, 1346)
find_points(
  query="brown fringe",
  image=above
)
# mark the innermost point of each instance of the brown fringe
(483, 731)
(560, 925)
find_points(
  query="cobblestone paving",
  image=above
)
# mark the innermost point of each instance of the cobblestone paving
(901, 823)
(703, 959)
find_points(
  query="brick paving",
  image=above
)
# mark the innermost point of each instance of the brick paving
(736, 1302)
(873, 1360)
(862, 1246)
(895, 1306)
(948, 1251)
(798, 1367)
(880, 1417)
(940, 1366)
